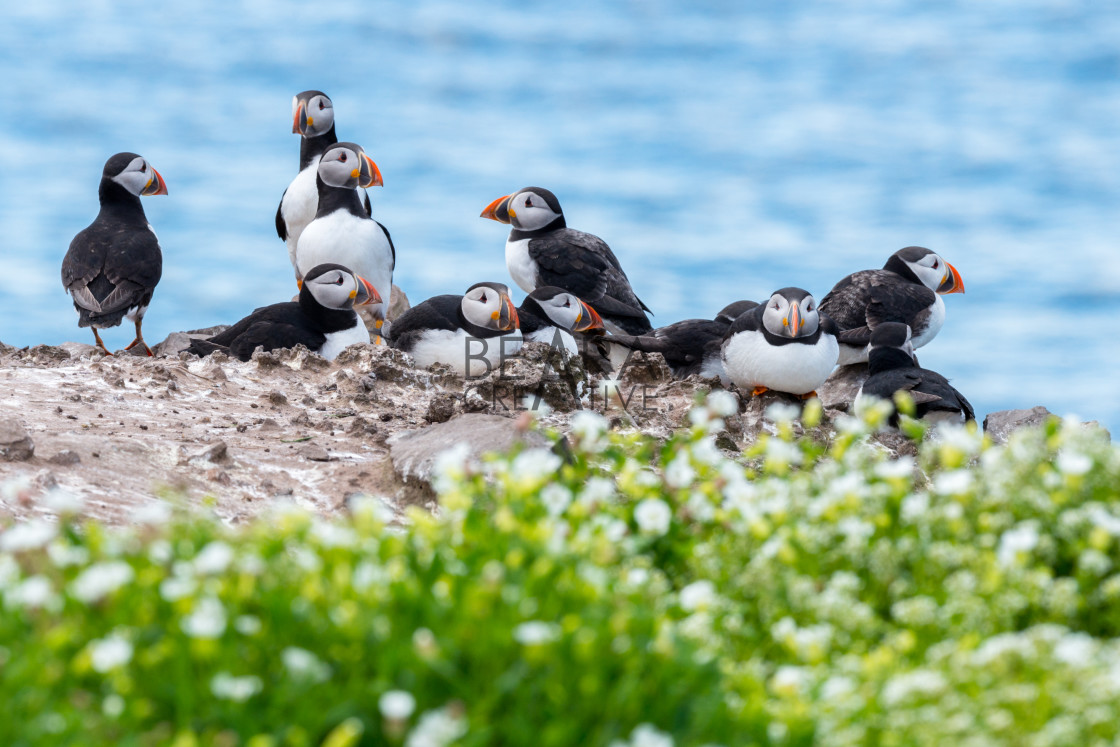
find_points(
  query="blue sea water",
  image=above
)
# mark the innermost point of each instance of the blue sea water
(723, 150)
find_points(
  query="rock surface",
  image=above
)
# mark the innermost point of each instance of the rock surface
(15, 442)
(1000, 425)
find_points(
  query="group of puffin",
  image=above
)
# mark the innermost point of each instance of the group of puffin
(579, 296)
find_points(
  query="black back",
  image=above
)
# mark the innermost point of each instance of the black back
(437, 313)
(892, 370)
(114, 263)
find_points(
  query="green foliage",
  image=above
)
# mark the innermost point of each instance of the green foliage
(638, 594)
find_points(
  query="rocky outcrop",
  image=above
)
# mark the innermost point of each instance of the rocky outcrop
(15, 442)
(1000, 425)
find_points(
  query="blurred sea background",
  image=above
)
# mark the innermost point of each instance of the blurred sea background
(722, 149)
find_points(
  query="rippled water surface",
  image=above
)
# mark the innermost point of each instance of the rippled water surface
(722, 149)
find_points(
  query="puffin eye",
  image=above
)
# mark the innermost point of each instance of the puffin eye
(342, 158)
(528, 202)
(936, 264)
(322, 106)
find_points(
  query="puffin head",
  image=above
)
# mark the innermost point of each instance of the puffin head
(931, 270)
(732, 311)
(488, 305)
(791, 312)
(312, 113)
(337, 287)
(134, 174)
(892, 335)
(347, 165)
(565, 310)
(527, 209)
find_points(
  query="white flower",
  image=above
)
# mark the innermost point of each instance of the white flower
(648, 735)
(679, 472)
(247, 624)
(109, 653)
(1020, 539)
(303, 664)
(64, 555)
(1073, 463)
(437, 728)
(207, 619)
(536, 405)
(214, 558)
(27, 535)
(589, 429)
(396, 705)
(722, 403)
(697, 595)
(101, 579)
(450, 466)
(706, 452)
(891, 468)
(782, 452)
(1076, 649)
(535, 465)
(921, 682)
(954, 482)
(535, 633)
(700, 506)
(653, 516)
(637, 577)
(238, 689)
(160, 551)
(113, 705)
(615, 530)
(780, 412)
(9, 571)
(33, 592)
(556, 499)
(174, 588)
(597, 490)
(1106, 521)
(789, 680)
(328, 535)
(154, 513)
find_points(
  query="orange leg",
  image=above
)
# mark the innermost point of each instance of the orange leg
(139, 340)
(100, 345)
(808, 395)
(759, 390)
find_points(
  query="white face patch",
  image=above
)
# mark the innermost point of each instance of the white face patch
(481, 305)
(563, 310)
(136, 176)
(528, 211)
(337, 165)
(931, 270)
(319, 114)
(334, 289)
(777, 317)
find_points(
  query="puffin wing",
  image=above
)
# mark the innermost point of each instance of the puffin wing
(908, 303)
(272, 335)
(281, 224)
(683, 342)
(392, 248)
(438, 312)
(941, 395)
(748, 321)
(112, 270)
(584, 265)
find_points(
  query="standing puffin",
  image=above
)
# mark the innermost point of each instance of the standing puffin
(342, 232)
(313, 120)
(323, 319)
(786, 344)
(908, 289)
(542, 250)
(550, 315)
(691, 346)
(114, 264)
(472, 333)
(892, 368)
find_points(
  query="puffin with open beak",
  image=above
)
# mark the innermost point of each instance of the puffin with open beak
(786, 344)
(114, 264)
(542, 251)
(313, 121)
(551, 315)
(323, 318)
(473, 333)
(908, 289)
(342, 233)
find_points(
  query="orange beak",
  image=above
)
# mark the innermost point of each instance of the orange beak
(368, 173)
(952, 282)
(498, 210)
(507, 317)
(365, 293)
(156, 185)
(297, 118)
(588, 319)
(795, 320)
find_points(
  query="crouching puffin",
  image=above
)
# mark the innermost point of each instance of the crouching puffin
(550, 315)
(323, 318)
(313, 121)
(472, 333)
(691, 346)
(542, 250)
(786, 344)
(892, 368)
(114, 264)
(342, 232)
(908, 290)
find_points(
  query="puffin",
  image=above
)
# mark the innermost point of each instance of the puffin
(907, 289)
(323, 318)
(892, 368)
(786, 345)
(541, 250)
(473, 333)
(342, 232)
(313, 120)
(114, 264)
(691, 346)
(550, 315)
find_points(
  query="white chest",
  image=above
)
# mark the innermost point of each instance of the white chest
(936, 319)
(339, 341)
(521, 268)
(796, 368)
(555, 337)
(470, 356)
(345, 239)
(299, 206)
